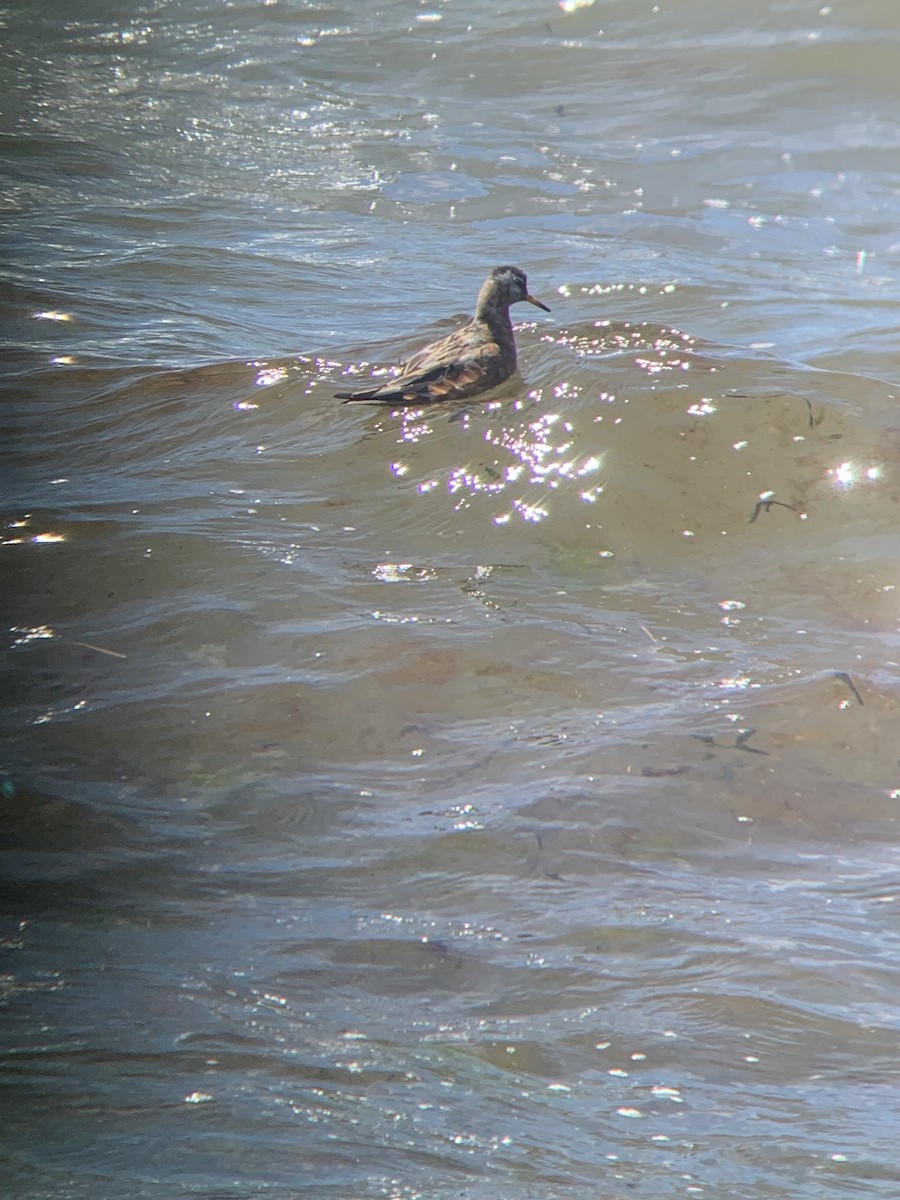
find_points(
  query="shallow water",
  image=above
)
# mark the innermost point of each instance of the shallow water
(487, 801)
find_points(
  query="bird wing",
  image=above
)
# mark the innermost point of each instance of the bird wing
(454, 367)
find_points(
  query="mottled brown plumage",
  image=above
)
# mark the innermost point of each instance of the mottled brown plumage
(474, 359)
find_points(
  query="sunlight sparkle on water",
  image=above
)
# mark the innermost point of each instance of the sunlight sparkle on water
(413, 427)
(530, 512)
(34, 633)
(270, 375)
(846, 474)
(392, 572)
(463, 478)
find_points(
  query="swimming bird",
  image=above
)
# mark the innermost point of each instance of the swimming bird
(473, 359)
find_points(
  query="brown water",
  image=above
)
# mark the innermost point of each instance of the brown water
(495, 801)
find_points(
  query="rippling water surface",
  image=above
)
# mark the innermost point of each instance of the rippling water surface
(495, 801)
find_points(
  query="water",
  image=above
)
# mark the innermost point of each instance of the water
(491, 802)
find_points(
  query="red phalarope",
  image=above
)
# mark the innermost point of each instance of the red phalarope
(475, 358)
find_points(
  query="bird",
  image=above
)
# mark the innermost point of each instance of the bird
(475, 358)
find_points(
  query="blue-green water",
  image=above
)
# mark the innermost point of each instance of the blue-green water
(495, 802)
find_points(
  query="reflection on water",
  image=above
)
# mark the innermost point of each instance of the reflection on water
(485, 800)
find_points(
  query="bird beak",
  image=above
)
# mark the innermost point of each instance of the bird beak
(537, 303)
